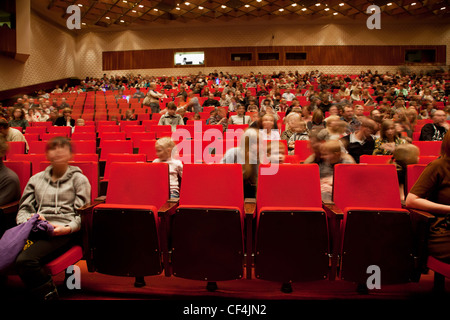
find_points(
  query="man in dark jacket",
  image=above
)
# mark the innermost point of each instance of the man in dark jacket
(435, 131)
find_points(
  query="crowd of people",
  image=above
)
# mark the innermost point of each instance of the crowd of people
(342, 117)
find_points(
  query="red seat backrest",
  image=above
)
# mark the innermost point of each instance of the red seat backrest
(428, 148)
(212, 185)
(89, 169)
(15, 147)
(115, 146)
(413, 172)
(374, 159)
(301, 187)
(302, 149)
(119, 157)
(84, 146)
(22, 169)
(35, 160)
(37, 147)
(151, 188)
(147, 147)
(366, 185)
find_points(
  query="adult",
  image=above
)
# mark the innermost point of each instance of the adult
(12, 134)
(348, 115)
(152, 98)
(246, 154)
(389, 139)
(431, 193)
(18, 119)
(239, 117)
(66, 119)
(360, 142)
(435, 131)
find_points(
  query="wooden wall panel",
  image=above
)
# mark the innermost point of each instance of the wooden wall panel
(316, 55)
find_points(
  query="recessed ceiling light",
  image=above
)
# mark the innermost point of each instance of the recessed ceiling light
(83, 23)
(389, 4)
(247, 6)
(317, 4)
(443, 8)
(125, 1)
(335, 13)
(155, 9)
(223, 6)
(122, 21)
(258, 0)
(281, 9)
(341, 4)
(107, 18)
(133, 11)
(201, 8)
(187, 3)
(294, 4)
(327, 9)
(304, 9)
(141, 6)
(413, 4)
(177, 8)
(80, 5)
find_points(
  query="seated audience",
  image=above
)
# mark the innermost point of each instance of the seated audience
(435, 131)
(360, 142)
(389, 139)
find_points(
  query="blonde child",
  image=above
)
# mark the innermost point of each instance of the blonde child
(164, 150)
(299, 132)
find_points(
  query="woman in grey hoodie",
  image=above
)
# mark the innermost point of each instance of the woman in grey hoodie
(55, 194)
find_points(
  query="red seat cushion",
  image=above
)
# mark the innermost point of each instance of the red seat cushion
(70, 257)
(439, 266)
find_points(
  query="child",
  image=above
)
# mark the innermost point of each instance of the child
(171, 117)
(164, 150)
(299, 132)
(330, 154)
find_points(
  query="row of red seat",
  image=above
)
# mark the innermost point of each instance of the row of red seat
(207, 234)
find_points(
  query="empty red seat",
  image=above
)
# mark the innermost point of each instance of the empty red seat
(207, 228)
(16, 147)
(84, 146)
(429, 148)
(291, 225)
(115, 146)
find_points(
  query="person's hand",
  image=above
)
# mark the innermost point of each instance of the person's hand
(59, 230)
(446, 125)
(39, 218)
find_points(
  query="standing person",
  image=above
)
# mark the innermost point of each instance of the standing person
(152, 98)
(164, 151)
(431, 193)
(54, 194)
(248, 155)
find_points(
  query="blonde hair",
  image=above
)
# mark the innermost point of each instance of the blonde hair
(165, 143)
(405, 154)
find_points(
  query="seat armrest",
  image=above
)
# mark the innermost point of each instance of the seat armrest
(166, 211)
(168, 208)
(11, 207)
(86, 213)
(332, 210)
(250, 213)
(420, 221)
(334, 217)
(250, 207)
